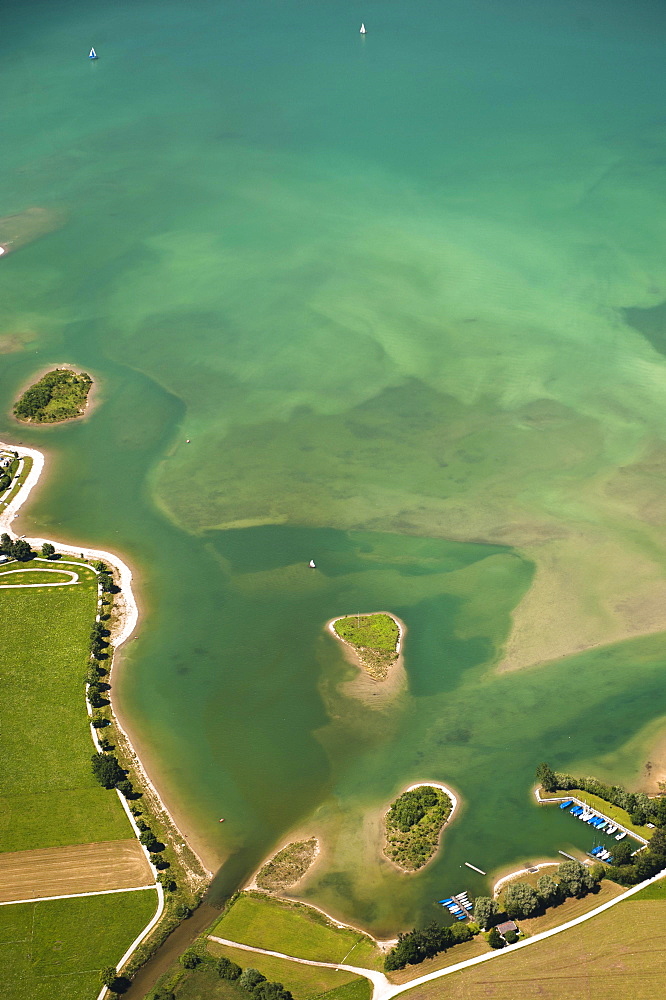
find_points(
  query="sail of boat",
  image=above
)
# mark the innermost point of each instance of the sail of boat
(363, 29)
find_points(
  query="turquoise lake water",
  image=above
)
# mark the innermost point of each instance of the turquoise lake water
(405, 296)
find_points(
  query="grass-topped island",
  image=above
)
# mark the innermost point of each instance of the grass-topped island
(414, 824)
(61, 394)
(374, 640)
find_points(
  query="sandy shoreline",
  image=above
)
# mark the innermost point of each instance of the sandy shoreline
(122, 630)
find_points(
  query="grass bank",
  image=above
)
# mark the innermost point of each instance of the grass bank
(304, 981)
(58, 948)
(295, 929)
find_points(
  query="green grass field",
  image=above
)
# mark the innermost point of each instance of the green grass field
(58, 948)
(373, 631)
(618, 955)
(304, 981)
(48, 796)
(294, 930)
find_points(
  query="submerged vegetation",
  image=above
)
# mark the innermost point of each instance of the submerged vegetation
(287, 866)
(58, 395)
(375, 639)
(413, 826)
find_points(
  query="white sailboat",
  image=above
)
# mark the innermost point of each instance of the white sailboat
(311, 564)
(92, 54)
(363, 31)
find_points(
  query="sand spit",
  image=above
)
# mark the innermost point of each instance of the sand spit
(122, 627)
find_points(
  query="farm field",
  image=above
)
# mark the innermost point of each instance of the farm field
(294, 930)
(618, 955)
(48, 797)
(58, 948)
(118, 864)
(304, 981)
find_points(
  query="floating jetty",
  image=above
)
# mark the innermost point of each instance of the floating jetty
(459, 906)
(582, 811)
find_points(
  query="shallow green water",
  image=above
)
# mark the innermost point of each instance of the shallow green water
(397, 291)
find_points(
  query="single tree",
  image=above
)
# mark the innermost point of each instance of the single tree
(250, 978)
(521, 900)
(485, 911)
(183, 911)
(226, 969)
(125, 787)
(21, 550)
(5, 544)
(548, 890)
(190, 959)
(48, 550)
(109, 976)
(510, 937)
(106, 769)
(546, 777)
(622, 853)
(574, 878)
(495, 938)
(271, 991)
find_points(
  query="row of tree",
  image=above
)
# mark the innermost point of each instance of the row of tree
(250, 980)
(105, 577)
(641, 807)
(522, 900)
(418, 944)
(21, 550)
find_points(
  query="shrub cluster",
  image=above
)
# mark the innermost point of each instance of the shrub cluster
(413, 825)
(17, 549)
(417, 945)
(63, 386)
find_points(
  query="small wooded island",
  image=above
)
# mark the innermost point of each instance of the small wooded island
(59, 395)
(414, 824)
(374, 639)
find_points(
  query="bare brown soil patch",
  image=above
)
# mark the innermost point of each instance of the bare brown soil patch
(59, 871)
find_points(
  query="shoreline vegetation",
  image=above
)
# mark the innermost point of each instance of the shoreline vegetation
(414, 824)
(58, 395)
(373, 639)
(287, 866)
(120, 620)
